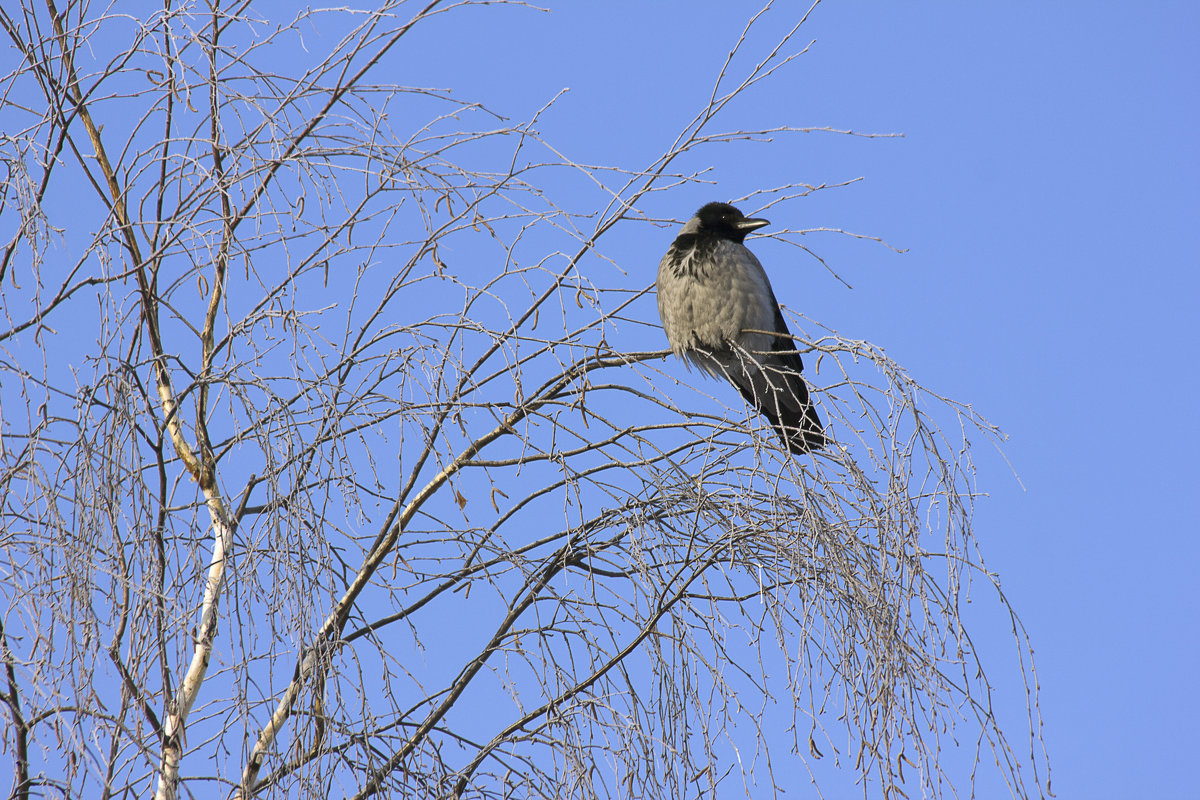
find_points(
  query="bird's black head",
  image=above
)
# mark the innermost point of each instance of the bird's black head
(725, 221)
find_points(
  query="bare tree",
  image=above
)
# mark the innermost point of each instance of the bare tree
(333, 459)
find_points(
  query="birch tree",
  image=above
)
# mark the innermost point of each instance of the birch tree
(341, 456)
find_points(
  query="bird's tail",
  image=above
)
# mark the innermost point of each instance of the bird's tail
(801, 433)
(781, 395)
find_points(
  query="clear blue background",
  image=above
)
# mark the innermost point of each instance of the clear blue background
(1047, 190)
(1047, 193)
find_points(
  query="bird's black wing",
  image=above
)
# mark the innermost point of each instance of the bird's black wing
(796, 422)
(785, 345)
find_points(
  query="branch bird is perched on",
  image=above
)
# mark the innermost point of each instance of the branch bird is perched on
(717, 306)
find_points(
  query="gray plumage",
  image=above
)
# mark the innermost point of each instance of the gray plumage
(712, 292)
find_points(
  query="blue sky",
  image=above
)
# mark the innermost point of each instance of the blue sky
(1047, 191)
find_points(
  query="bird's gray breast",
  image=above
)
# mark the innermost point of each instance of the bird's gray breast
(709, 295)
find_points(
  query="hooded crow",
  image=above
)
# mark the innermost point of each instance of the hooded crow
(718, 312)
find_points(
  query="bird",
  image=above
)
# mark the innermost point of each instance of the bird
(720, 315)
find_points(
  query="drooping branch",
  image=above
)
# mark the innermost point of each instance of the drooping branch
(415, 347)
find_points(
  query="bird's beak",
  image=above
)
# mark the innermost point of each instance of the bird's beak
(751, 224)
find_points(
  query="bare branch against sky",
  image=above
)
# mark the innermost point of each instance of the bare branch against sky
(341, 455)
